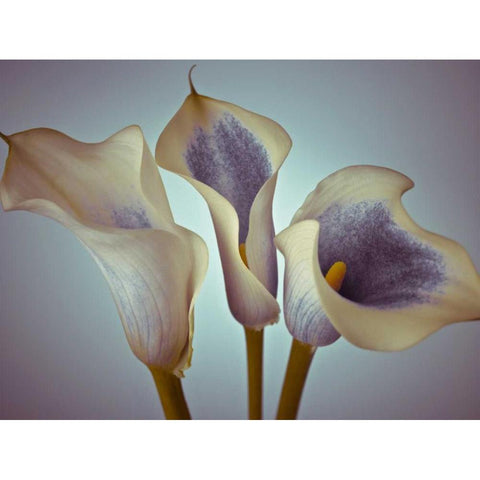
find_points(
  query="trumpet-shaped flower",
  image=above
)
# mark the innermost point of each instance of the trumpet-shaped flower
(232, 157)
(402, 283)
(111, 196)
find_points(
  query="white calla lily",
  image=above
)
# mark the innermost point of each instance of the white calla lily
(402, 282)
(111, 196)
(232, 157)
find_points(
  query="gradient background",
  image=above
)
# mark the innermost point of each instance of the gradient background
(63, 353)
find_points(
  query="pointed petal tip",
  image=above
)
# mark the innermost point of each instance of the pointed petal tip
(5, 138)
(192, 88)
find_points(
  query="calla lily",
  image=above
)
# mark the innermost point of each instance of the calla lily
(402, 283)
(232, 157)
(111, 196)
(357, 265)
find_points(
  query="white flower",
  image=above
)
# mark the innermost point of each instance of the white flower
(402, 283)
(111, 196)
(232, 157)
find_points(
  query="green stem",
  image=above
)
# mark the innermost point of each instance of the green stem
(254, 339)
(299, 362)
(171, 394)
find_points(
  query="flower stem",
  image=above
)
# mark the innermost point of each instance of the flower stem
(171, 394)
(254, 340)
(299, 362)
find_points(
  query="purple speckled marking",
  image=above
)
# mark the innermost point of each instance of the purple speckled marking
(233, 162)
(131, 218)
(386, 266)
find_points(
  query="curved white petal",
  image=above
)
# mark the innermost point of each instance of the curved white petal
(111, 196)
(232, 156)
(113, 183)
(260, 249)
(154, 276)
(302, 306)
(402, 283)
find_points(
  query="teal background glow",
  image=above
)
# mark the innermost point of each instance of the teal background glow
(63, 353)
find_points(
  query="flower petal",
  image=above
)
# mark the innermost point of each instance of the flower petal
(111, 196)
(154, 276)
(232, 156)
(407, 282)
(302, 307)
(114, 183)
(261, 252)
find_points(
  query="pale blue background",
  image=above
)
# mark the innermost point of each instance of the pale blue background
(63, 353)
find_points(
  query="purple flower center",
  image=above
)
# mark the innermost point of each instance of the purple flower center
(387, 267)
(233, 162)
(131, 218)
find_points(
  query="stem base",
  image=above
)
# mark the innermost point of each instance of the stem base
(254, 339)
(301, 355)
(171, 395)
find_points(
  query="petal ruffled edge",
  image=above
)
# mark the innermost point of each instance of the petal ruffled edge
(22, 181)
(351, 184)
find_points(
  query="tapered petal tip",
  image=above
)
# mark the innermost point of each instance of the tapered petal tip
(4, 138)
(193, 91)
